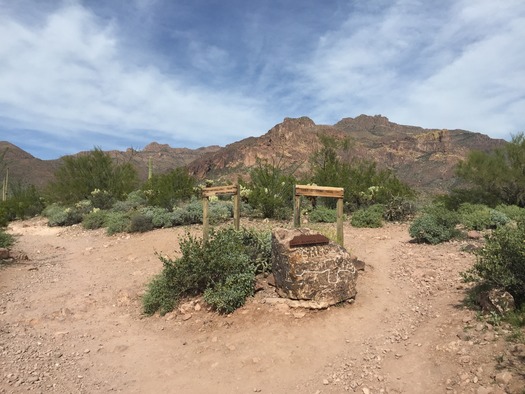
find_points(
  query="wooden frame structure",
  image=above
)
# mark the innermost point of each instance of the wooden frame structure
(208, 192)
(320, 191)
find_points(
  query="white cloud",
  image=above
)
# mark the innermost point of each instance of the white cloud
(455, 67)
(69, 75)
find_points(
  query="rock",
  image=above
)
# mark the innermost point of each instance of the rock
(473, 234)
(323, 274)
(4, 254)
(496, 300)
(186, 316)
(504, 378)
(359, 264)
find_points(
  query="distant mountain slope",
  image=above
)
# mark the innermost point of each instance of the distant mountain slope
(424, 158)
(26, 168)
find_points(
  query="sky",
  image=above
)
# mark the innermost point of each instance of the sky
(118, 74)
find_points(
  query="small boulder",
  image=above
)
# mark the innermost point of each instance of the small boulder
(320, 274)
(496, 300)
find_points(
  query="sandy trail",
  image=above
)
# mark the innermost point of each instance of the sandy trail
(71, 322)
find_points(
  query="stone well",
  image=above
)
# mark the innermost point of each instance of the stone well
(322, 275)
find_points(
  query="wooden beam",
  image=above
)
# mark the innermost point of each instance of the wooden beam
(340, 236)
(319, 191)
(213, 191)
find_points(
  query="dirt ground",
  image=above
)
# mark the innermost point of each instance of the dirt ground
(71, 322)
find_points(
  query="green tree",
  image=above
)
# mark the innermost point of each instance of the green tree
(497, 176)
(79, 176)
(166, 189)
(364, 183)
(271, 189)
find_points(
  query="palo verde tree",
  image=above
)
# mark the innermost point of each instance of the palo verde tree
(364, 183)
(78, 177)
(497, 176)
(165, 190)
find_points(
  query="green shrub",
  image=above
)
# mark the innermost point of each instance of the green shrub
(513, 212)
(95, 219)
(258, 247)
(6, 240)
(371, 217)
(230, 295)
(167, 189)
(474, 216)
(159, 217)
(78, 177)
(134, 200)
(501, 263)
(399, 209)
(432, 229)
(101, 199)
(59, 215)
(23, 202)
(117, 222)
(140, 223)
(323, 214)
(160, 295)
(271, 190)
(220, 211)
(223, 268)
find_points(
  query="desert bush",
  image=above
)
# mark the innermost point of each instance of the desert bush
(159, 217)
(230, 295)
(371, 217)
(95, 219)
(513, 212)
(271, 190)
(59, 215)
(474, 216)
(480, 217)
(166, 190)
(6, 240)
(134, 200)
(220, 211)
(399, 209)
(501, 263)
(431, 228)
(223, 268)
(79, 176)
(140, 223)
(322, 214)
(117, 222)
(363, 182)
(499, 175)
(23, 201)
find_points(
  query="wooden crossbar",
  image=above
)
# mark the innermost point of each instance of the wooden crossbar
(213, 191)
(319, 191)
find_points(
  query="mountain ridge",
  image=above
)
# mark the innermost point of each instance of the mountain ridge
(423, 158)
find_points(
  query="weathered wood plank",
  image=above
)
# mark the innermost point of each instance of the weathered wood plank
(213, 191)
(319, 191)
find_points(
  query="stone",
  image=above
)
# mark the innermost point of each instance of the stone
(323, 275)
(473, 234)
(504, 378)
(4, 253)
(496, 300)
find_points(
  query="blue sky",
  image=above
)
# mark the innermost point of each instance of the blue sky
(122, 73)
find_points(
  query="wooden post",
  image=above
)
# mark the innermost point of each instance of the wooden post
(205, 219)
(320, 191)
(208, 192)
(237, 209)
(340, 236)
(296, 209)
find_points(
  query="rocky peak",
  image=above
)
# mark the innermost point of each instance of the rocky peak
(291, 125)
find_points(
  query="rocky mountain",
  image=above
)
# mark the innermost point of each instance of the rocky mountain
(424, 158)
(28, 169)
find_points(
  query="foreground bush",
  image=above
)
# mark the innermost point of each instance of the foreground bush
(6, 240)
(223, 269)
(501, 263)
(436, 225)
(59, 215)
(371, 217)
(323, 215)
